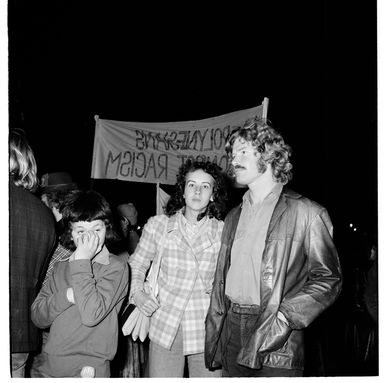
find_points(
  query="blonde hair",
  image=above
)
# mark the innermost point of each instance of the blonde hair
(22, 164)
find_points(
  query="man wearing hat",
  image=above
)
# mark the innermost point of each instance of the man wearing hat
(128, 219)
(54, 187)
(128, 362)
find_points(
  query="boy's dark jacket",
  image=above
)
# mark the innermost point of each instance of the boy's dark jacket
(300, 276)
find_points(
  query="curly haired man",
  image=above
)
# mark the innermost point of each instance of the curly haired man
(277, 267)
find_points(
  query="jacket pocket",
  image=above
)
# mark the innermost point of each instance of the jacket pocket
(276, 338)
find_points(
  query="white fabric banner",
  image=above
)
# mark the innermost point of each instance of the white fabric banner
(153, 152)
(161, 199)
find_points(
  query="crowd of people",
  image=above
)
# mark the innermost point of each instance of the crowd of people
(236, 288)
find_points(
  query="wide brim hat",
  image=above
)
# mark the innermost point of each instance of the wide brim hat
(57, 181)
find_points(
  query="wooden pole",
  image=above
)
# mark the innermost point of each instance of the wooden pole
(265, 104)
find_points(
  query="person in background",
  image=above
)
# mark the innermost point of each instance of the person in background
(190, 232)
(370, 297)
(131, 357)
(31, 242)
(370, 293)
(277, 269)
(128, 221)
(54, 187)
(84, 294)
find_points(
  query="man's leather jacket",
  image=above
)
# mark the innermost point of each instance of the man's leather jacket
(300, 276)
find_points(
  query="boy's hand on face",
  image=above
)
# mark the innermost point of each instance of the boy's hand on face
(87, 244)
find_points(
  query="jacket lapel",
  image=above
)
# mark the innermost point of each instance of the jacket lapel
(229, 234)
(205, 239)
(280, 208)
(173, 231)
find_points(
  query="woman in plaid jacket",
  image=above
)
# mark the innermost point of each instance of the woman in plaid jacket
(192, 227)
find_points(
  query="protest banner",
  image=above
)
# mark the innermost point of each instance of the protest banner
(153, 152)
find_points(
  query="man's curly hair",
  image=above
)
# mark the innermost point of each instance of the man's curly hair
(215, 209)
(269, 143)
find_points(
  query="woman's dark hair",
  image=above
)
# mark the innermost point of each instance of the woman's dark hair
(215, 209)
(85, 205)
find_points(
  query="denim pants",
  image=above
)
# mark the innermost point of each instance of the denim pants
(239, 326)
(171, 363)
(18, 361)
(39, 359)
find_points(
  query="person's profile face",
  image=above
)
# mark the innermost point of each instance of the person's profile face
(245, 162)
(124, 224)
(45, 200)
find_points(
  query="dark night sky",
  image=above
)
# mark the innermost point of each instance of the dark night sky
(314, 60)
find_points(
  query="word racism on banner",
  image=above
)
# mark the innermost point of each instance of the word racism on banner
(143, 163)
(153, 152)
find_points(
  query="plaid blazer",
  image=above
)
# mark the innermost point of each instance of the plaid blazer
(185, 279)
(31, 241)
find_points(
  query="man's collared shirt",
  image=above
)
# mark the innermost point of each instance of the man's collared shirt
(243, 278)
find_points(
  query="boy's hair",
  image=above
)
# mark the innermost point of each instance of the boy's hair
(269, 143)
(85, 205)
(216, 208)
(22, 164)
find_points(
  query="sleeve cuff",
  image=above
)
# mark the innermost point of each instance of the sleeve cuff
(131, 299)
(282, 317)
(61, 300)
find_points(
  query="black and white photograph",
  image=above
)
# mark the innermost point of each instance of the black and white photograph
(193, 191)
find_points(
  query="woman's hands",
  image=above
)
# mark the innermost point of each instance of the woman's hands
(145, 303)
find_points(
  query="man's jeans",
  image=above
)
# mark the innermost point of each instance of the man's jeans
(240, 324)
